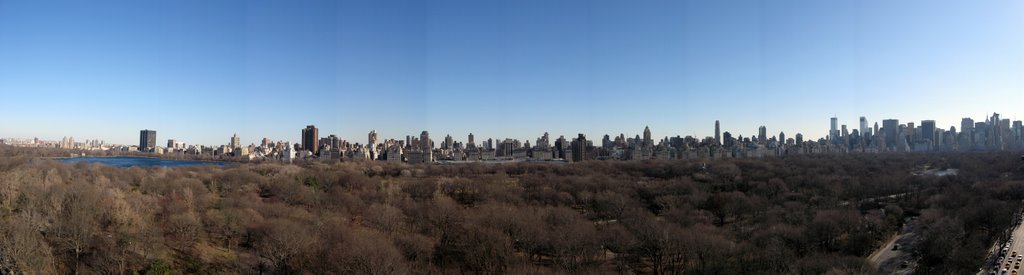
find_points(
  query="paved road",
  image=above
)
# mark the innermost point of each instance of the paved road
(883, 253)
(1016, 245)
(885, 260)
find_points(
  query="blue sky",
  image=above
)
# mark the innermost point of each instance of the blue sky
(199, 71)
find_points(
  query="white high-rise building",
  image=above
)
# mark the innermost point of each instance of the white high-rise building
(718, 133)
(288, 154)
(372, 138)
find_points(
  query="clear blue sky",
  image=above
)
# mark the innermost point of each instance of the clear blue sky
(199, 71)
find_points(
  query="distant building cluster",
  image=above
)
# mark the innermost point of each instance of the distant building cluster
(993, 134)
(65, 143)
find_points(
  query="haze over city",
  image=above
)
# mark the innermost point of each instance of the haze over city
(201, 71)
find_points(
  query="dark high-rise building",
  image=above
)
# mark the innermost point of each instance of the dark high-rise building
(864, 126)
(799, 139)
(892, 131)
(762, 134)
(560, 146)
(727, 139)
(928, 131)
(147, 140)
(718, 133)
(647, 137)
(310, 139)
(470, 143)
(579, 148)
(911, 133)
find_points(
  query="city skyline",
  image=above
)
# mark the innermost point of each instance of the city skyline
(310, 135)
(994, 133)
(199, 71)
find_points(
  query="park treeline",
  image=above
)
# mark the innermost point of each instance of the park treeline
(794, 215)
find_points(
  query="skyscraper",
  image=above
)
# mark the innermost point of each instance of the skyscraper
(995, 132)
(1018, 130)
(928, 131)
(762, 134)
(718, 133)
(579, 148)
(425, 141)
(892, 130)
(967, 129)
(311, 139)
(147, 140)
(332, 140)
(864, 126)
(833, 131)
(372, 138)
(235, 142)
(647, 137)
(911, 133)
(448, 142)
(470, 143)
(560, 147)
(67, 142)
(543, 142)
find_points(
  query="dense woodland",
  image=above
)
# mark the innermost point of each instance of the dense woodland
(804, 215)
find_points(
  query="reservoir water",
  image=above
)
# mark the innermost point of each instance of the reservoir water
(140, 161)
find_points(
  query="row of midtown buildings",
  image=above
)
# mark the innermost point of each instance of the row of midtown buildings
(65, 142)
(992, 134)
